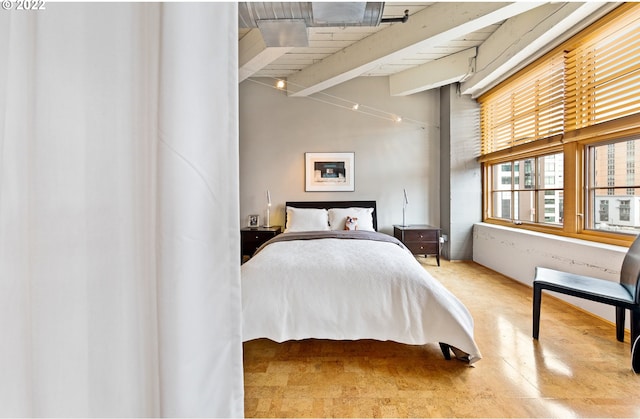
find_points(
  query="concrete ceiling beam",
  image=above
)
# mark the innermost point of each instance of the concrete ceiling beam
(436, 24)
(525, 37)
(253, 54)
(447, 70)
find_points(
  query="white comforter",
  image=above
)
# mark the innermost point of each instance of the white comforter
(347, 289)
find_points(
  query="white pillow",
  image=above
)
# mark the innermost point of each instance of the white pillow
(306, 219)
(338, 216)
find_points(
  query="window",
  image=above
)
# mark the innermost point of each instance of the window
(559, 137)
(603, 214)
(537, 198)
(616, 190)
(625, 210)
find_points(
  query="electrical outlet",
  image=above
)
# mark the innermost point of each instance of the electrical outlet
(444, 238)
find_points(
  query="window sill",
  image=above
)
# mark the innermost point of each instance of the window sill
(604, 237)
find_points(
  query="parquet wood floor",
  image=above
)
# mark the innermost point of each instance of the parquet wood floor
(576, 369)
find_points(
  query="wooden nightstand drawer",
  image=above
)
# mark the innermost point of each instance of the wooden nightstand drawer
(418, 248)
(421, 235)
(257, 236)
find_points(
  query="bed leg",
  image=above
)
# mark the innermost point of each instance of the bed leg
(446, 350)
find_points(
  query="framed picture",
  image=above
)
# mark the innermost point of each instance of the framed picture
(329, 172)
(254, 221)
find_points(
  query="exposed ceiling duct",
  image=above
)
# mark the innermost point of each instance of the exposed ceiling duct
(286, 33)
(314, 14)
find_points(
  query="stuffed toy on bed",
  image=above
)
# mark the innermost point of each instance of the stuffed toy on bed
(351, 223)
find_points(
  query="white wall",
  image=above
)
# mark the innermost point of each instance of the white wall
(516, 253)
(276, 131)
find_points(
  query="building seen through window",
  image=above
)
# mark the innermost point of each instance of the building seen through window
(529, 189)
(614, 187)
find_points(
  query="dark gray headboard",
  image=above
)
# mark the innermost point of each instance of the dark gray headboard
(336, 204)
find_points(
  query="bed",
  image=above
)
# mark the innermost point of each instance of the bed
(317, 280)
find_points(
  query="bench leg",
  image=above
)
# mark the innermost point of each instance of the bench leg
(537, 296)
(635, 356)
(635, 325)
(620, 314)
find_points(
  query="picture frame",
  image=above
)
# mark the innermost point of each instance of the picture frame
(332, 172)
(254, 221)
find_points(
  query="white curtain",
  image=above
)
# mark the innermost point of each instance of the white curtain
(119, 227)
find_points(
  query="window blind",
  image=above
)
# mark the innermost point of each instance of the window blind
(592, 78)
(603, 74)
(529, 109)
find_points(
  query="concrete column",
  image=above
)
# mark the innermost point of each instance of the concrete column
(460, 176)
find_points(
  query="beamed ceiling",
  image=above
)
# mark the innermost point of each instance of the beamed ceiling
(314, 46)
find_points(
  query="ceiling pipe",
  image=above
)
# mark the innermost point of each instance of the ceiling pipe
(402, 19)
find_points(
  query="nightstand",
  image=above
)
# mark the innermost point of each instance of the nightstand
(420, 239)
(253, 237)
